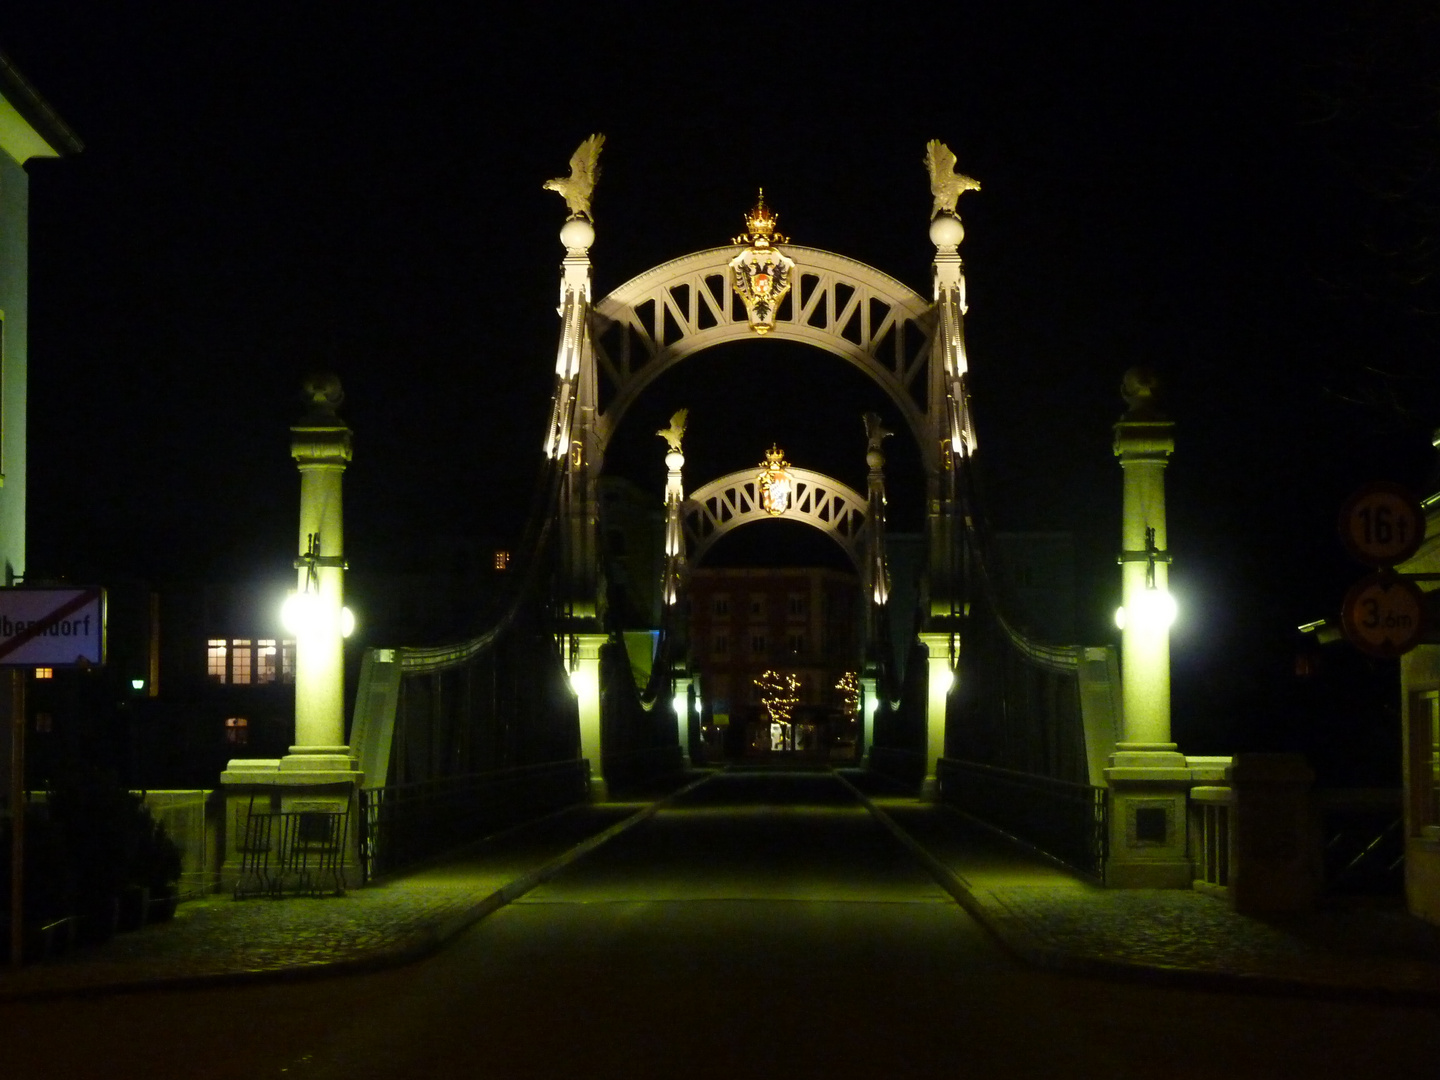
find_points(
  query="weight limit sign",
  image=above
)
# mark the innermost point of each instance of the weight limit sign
(1382, 524)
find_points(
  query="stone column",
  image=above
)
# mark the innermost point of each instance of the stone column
(681, 702)
(320, 444)
(316, 785)
(585, 681)
(1148, 777)
(869, 702)
(941, 679)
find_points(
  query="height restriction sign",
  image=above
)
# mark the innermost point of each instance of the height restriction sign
(1383, 615)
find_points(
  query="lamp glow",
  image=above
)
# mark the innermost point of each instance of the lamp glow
(584, 680)
(681, 703)
(1153, 609)
(303, 614)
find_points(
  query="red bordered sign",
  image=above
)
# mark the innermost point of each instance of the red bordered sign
(1384, 615)
(1382, 524)
(52, 627)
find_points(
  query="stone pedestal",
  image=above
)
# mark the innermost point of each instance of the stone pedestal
(326, 783)
(1149, 787)
(1278, 864)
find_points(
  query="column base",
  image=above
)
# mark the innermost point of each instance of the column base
(267, 859)
(1149, 838)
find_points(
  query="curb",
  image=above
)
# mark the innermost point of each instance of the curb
(1015, 936)
(423, 943)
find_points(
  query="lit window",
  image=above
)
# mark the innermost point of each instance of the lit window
(502, 560)
(237, 730)
(215, 660)
(44, 673)
(287, 661)
(240, 661)
(267, 661)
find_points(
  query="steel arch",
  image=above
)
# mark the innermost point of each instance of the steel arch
(841, 305)
(820, 501)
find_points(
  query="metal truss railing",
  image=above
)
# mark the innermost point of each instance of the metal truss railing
(405, 824)
(1068, 822)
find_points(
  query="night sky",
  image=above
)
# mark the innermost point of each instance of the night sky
(1211, 192)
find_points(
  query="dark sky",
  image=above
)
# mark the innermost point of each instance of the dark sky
(357, 187)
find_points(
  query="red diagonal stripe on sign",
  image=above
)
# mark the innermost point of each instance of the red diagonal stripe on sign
(39, 626)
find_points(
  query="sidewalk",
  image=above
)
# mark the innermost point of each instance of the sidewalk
(1040, 913)
(1047, 917)
(219, 940)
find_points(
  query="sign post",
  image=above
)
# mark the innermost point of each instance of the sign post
(40, 628)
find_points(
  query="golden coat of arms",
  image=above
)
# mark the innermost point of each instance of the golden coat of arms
(776, 487)
(760, 274)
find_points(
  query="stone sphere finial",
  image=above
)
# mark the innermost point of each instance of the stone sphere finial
(577, 235)
(322, 393)
(946, 231)
(1139, 388)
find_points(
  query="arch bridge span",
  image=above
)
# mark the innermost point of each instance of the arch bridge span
(733, 500)
(841, 305)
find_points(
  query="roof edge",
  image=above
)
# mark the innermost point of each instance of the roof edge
(35, 110)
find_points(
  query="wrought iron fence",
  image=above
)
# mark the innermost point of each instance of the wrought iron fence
(405, 824)
(1065, 820)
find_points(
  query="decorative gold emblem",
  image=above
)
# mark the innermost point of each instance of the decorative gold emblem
(776, 487)
(760, 274)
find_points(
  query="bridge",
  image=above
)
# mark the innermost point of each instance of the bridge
(555, 700)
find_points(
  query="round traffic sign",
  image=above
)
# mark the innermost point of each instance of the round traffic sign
(1382, 524)
(1383, 615)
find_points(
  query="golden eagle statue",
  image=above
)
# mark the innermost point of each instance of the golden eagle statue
(577, 188)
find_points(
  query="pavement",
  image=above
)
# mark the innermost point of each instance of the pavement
(1042, 914)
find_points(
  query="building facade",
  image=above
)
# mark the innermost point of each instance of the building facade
(29, 129)
(796, 622)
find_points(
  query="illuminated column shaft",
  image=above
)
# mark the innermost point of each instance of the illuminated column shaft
(585, 678)
(1143, 443)
(869, 702)
(941, 679)
(321, 447)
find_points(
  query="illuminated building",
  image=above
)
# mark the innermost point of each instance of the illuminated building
(796, 621)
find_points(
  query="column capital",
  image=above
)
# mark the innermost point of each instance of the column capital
(1140, 440)
(321, 443)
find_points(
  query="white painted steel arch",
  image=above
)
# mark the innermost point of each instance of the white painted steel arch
(843, 306)
(733, 500)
